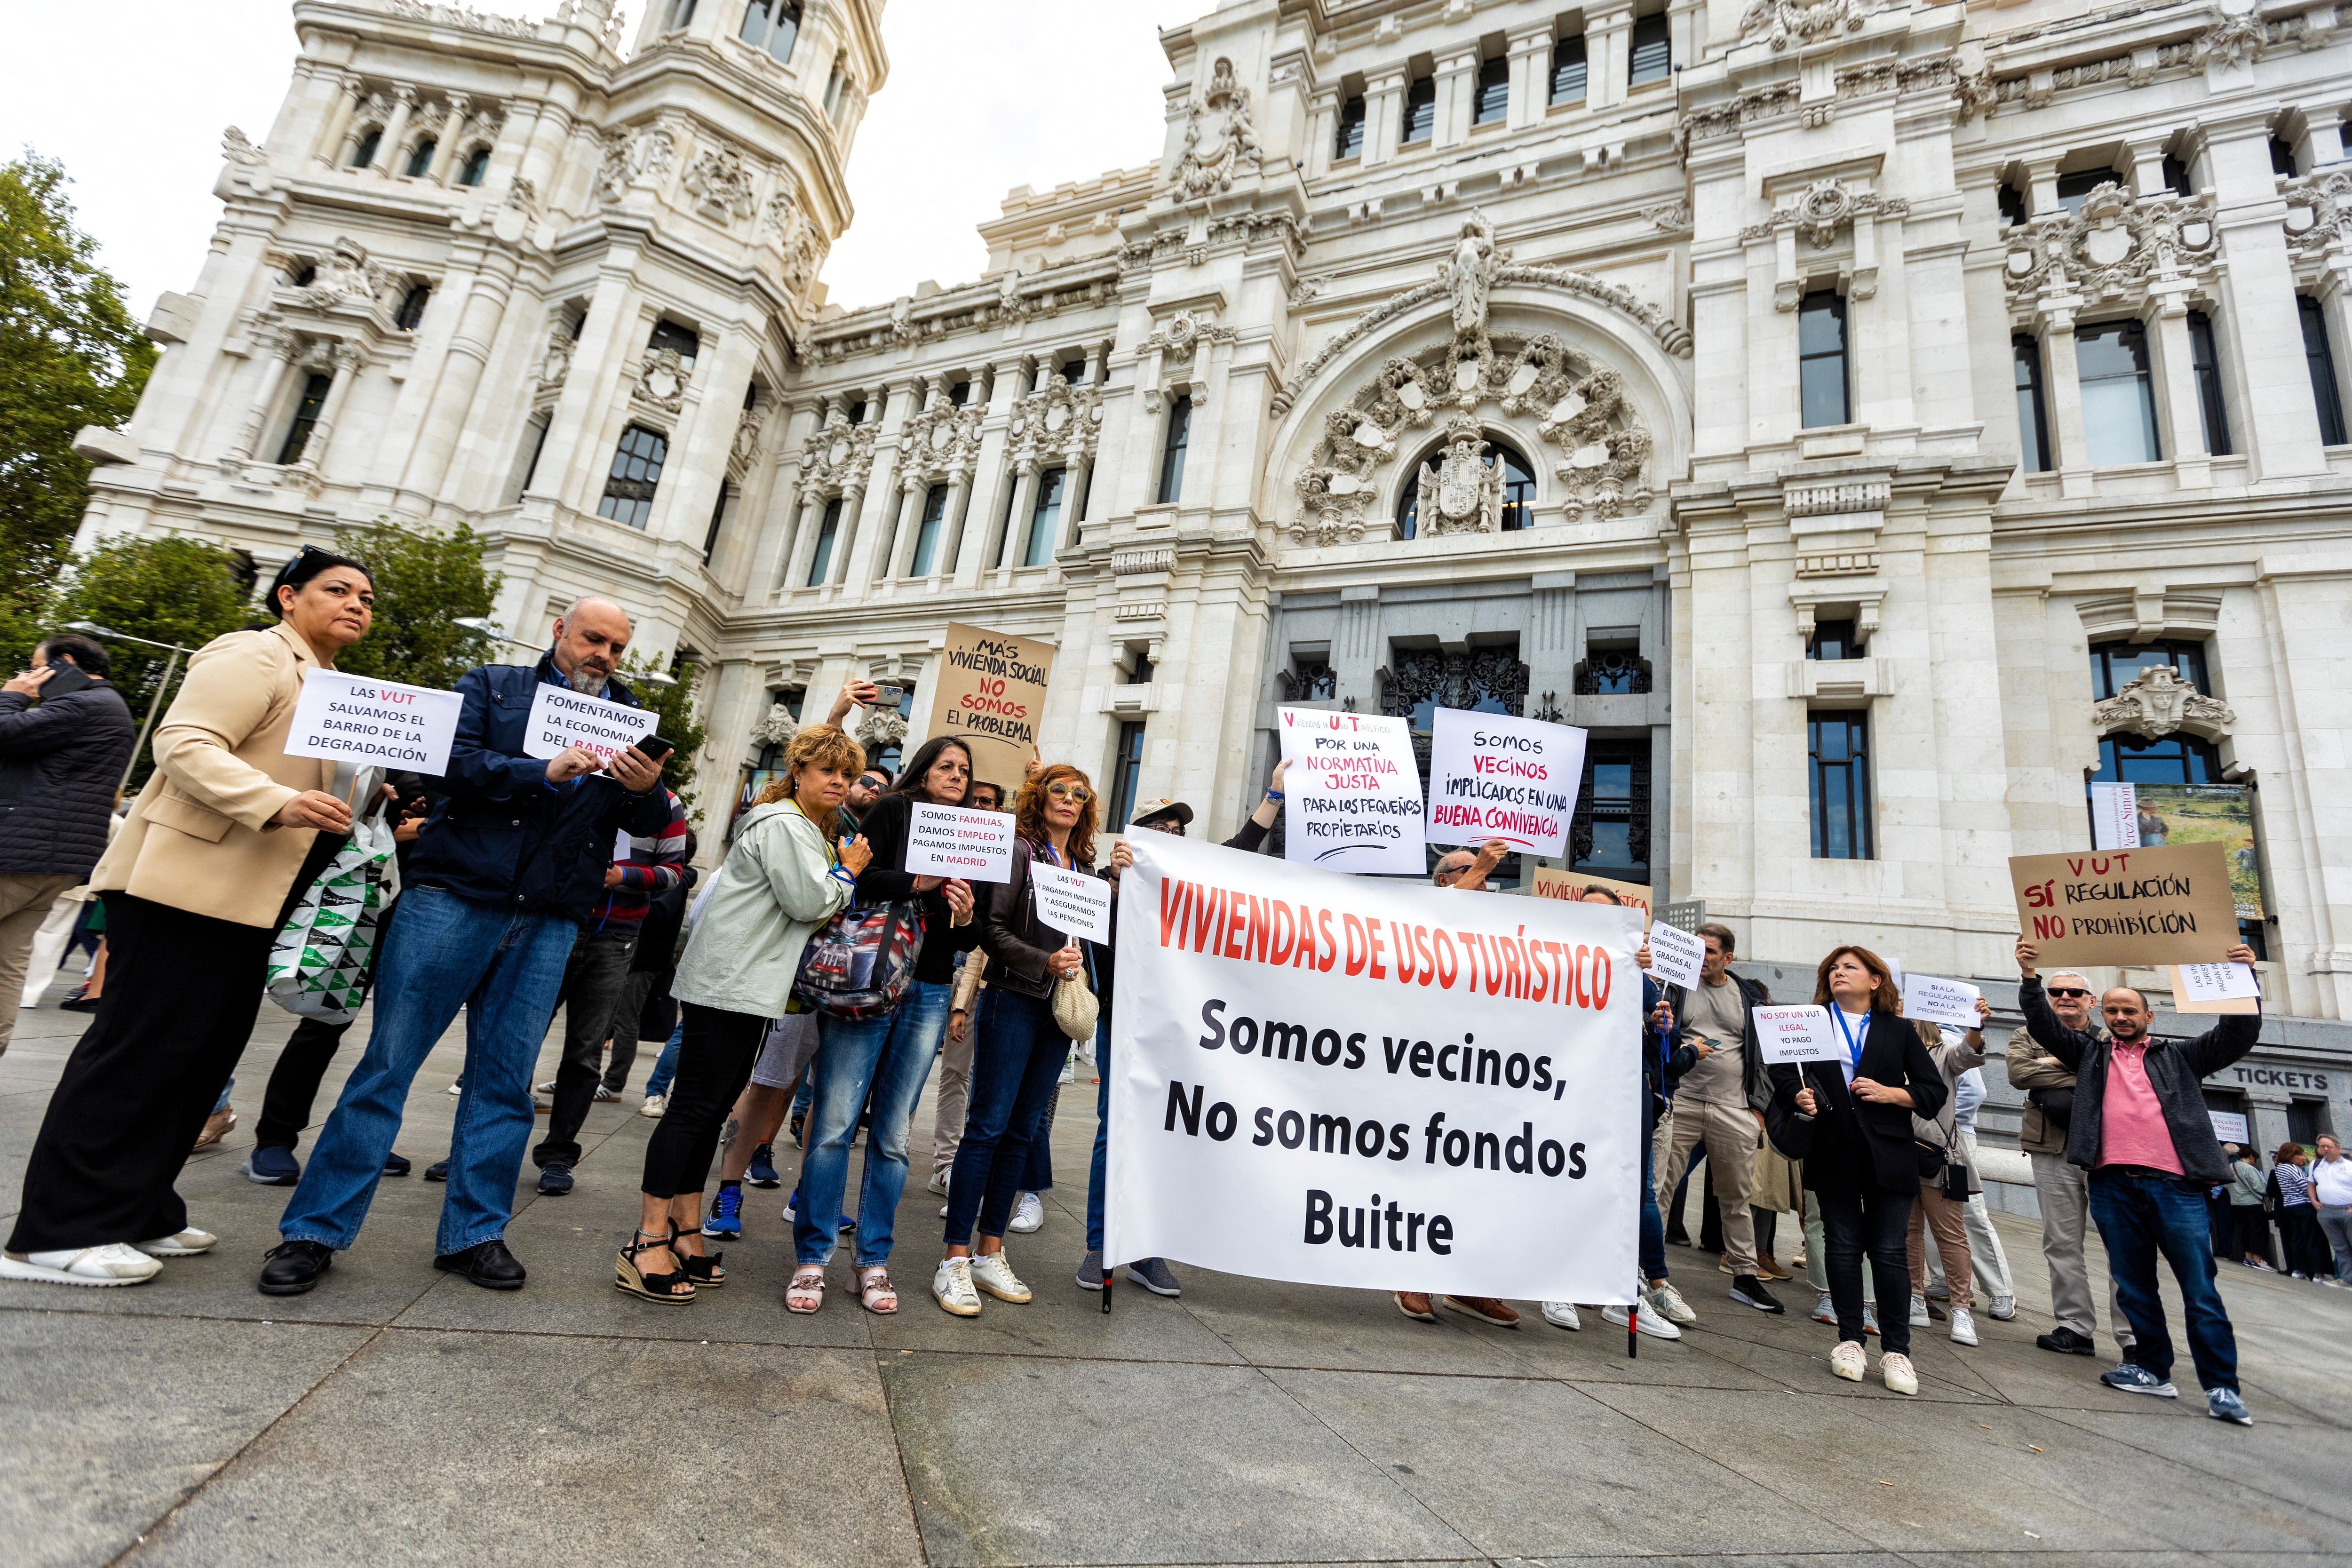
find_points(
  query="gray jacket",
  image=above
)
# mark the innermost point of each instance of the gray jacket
(2175, 1069)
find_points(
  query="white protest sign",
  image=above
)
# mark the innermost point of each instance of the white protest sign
(356, 720)
(1948, 1004)
(1071, 902)
(2115, 816)
(1353, 797)
(2229, 1127)
(1676, 955)
(560, 719)
(1796, 1034)
(949, 841)
(1382, 1085)
(1494, 777)
(2214, 982)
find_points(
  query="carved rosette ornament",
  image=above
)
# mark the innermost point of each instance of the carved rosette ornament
(1055, 424)
(2113, 249)
(1219, 143)
(1783, 22)
(2157, 702)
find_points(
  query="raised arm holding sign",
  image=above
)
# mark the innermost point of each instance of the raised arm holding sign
(1354, 798)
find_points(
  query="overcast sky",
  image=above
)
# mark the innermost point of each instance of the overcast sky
(983, 95)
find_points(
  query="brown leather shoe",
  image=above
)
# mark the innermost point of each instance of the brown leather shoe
(217, 1126)
(1415, 1305)
(1768, 1268)
(1485, 1309)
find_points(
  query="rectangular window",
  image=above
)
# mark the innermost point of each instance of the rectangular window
(2118, 396)
(1126, 773)
(1833, 640)
(1820, 358)
(1348, 141)
(1568, 71)
(718, 521)
(1171, 454)
(1045, 519)
(1839, 748)
(2205, 359)
(1609, 833)
(926, 533)
(1494, 100)
(1420, 110)
(2073, 188)
(2032, 414)
(306, 419)
(821, 564)
(636, 473)
(2176, 176)
(1652, 58)
(668, 334)
(2320, 357)
(2115, 665)
(2011, 201)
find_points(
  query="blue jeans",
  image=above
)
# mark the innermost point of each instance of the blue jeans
(2138, 1218)
(890, 1055)
(505, 969)
(1653, 1229)
(1102, 1136)
(665, 1067)
(1016, 1060)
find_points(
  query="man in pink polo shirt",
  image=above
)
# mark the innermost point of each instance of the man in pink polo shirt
(2140, 1127)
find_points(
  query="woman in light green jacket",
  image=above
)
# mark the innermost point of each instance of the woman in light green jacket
(783, 880)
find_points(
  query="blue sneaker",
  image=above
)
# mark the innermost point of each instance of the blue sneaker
(2133, 1378)
(555, 1180)
(762, 1173)
(725, 1220)
(2223, 1404)
(272, 1166)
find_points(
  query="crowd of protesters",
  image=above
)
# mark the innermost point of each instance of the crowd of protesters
(811, 961)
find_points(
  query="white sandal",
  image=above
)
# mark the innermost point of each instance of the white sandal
(872, 1283)
(116, 1263)
(808, 1285)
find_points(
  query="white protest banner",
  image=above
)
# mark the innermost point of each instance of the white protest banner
(1947, 1003)
(562, 719)
(1375, 1084)
(1071, 902)
(353, 719)
(1353, 797)
(2215, 988)
(949, 841)
(1494, 777)
(2229, 1127)
(1676, 955)
(1796, 1034)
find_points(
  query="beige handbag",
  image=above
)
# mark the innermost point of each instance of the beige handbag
(1075, 1009)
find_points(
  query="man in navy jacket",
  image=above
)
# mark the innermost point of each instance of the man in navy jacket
(512, 860)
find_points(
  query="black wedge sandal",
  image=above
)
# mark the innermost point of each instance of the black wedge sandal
(661, 1287)
(703, 1269)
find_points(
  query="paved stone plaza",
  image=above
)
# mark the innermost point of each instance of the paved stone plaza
(396, 1415)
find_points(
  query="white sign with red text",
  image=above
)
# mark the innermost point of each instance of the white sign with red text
(1071, 902)
(949, 841)
(1494, 777)
(1796, 1034)
(1353, 797)
(356, 720)
(561, 718)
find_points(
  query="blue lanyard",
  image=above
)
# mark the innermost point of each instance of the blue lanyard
(1853, 1046)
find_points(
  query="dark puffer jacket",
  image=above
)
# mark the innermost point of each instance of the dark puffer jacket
(60, 764)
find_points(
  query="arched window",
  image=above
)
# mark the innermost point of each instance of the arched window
(772, 26)
(420, 163)
(828, 532)
(306, 418)
(478, 164)
(412, 308)
(365, 154)
(636, 471)
(1519, 489)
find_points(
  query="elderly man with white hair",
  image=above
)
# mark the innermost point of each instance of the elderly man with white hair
(511, 863)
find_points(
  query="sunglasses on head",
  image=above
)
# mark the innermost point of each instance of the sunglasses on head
(1078, 792)
(2068, 991)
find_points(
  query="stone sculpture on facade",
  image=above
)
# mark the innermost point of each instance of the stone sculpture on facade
(238, 150)
(662, 378)
(1782, 22)
(2157, 702)
(1219, 141)
(723, 184)
(1460, 491)
(1055, 424)
(883, 727)
(2114, 247)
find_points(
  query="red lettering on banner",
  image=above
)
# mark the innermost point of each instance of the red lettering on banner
(1357, 952)
(1330, 954)
(1237, 925)
(1603, 976)
(1376, 970)
(1171, 907)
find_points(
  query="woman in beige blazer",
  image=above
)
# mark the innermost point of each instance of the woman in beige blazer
(196, 886)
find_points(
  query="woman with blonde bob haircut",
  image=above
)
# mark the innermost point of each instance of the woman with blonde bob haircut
(783, 880)
(1863, 1165)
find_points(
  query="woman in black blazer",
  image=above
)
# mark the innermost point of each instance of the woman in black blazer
(1864, 1165)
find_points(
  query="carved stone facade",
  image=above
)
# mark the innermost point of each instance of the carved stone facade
(2159, 703)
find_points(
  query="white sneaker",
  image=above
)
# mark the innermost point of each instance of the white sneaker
(1070, 1070)
(655, 1105)
(1848, 1361)
(186, 1244)
(2003, 1308)
(992, 1274)
(1825, 1310)
(951, 1288)
(938, 1184)
(547, 1088)
(1963, 1326)
(458, 1085)
(1668, 1302)
(1918, 1311)
(943, 1211)
(1028, 1215)
(1562, 1315)
(116, 1263)
(1895, 1369)
(1649, 1323)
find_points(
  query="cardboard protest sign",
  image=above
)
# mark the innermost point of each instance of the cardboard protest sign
(990, 694)
(1071, 902)
(1494, 777)
(1797, 1035)
(2216, 988)
(2169, 904)
(1675, 956)
(2229, 1127)
(1374, 1084)
(1353, 792)
(353, 719)
(1947, 1003)
(1571, 885)
(560, 719)
(949, 841)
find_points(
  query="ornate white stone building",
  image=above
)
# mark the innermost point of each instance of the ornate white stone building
(1838, 407)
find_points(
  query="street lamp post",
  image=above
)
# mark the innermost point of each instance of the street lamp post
(92, 628)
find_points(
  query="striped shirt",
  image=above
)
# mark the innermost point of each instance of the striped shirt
(651, 866)
(2295, 1185)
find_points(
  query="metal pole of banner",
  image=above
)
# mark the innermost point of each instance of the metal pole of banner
(171, 665)
(1106, 1273)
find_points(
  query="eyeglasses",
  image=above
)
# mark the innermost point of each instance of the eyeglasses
(1078, 792)
(2067, 991)
(1164, 826)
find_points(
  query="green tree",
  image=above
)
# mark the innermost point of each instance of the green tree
(679, 722)
(70, 355)
(424, 579)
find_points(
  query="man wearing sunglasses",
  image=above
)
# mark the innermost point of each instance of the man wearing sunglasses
(2064, 1190)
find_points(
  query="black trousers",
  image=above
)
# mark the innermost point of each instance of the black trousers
(294, 1082)
(635, 991)
(594, 978)
(180, 1003)
(1878, 1223)
(2254, 1229)
(715, 1055)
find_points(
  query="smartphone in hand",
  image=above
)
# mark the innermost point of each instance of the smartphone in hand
(653, 748)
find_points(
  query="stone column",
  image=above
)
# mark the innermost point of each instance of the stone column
(809, 510)
(1383, 103)
(845, 535)
(1530, 76)
(461, 374)
(350, 91)
(952, 525)
(2279, 420)
(1608, 45)
(2062, 384)
(452, 138)
(1015, 544)
(387, 151)
(900, 560)
(1077, 491)
(1457, 80)
(1323, 131)
(345, 360)
(2176, 385)
(274, 349)
(2320, 143)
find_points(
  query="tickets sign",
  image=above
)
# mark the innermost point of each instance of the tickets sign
(352, 719)
(561, 718)
(2161, 905)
